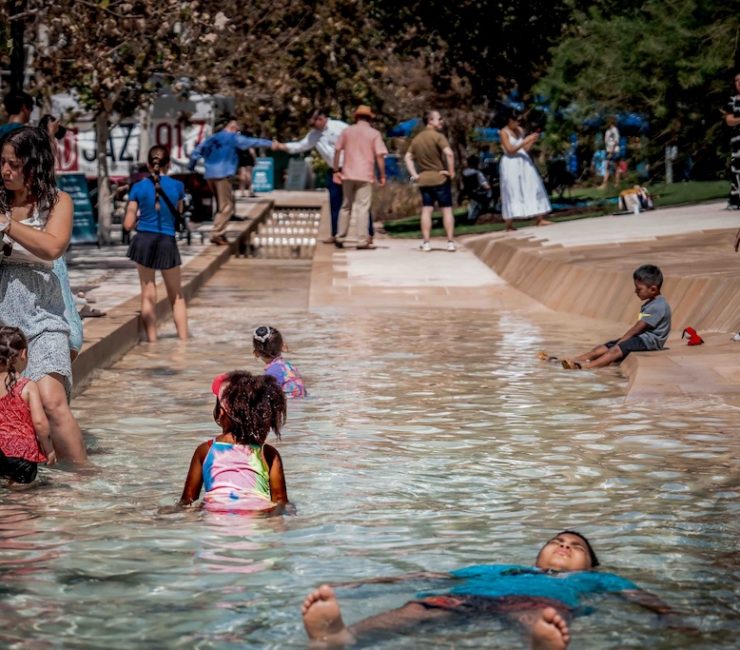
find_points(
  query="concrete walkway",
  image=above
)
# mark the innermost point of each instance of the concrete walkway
(645, 226)
(398, 274)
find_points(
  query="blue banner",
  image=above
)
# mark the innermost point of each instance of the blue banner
(263, 175)
(84, 228)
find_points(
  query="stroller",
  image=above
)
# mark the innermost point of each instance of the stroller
(481, 199)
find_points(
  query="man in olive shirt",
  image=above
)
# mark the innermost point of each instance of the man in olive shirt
(431, 164)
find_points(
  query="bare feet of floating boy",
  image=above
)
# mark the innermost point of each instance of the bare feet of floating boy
(323, 619)
(550, 631)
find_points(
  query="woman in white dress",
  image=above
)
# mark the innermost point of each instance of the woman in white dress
(523, 194)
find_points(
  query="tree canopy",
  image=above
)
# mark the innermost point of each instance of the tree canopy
(670, 60)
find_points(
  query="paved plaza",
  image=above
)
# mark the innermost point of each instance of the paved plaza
(531, 269)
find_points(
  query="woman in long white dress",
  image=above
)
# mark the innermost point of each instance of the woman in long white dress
(523, 194)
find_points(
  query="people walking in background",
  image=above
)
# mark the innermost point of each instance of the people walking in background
(268, 347)
(323, 137)
(240, 473)
(220, 154)
(36, 223)
(24, 429)
(523, 194)
(18, 106)
(247, 158)
(153, 204)
(611, 145)
(732, 119)
(431, 165)
(363, 150)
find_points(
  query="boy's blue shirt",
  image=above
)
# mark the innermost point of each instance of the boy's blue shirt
(502, 580)
(219, 153)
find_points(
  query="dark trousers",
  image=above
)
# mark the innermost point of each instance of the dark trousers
(335, 204)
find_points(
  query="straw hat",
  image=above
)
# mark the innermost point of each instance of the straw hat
(364, 111)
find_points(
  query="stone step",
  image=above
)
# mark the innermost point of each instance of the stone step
(286, 234)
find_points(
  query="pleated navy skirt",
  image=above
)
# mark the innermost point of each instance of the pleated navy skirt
(154, 250)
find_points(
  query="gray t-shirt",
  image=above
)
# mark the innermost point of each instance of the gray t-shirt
(657, 314)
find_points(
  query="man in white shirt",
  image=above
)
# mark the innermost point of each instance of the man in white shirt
(323, 137)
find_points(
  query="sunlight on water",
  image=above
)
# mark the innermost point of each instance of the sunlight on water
(430, 441)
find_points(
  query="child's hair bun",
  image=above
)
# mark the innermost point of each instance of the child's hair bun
(262, 333)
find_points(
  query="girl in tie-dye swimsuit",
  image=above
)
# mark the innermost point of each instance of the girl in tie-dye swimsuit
(240, 473)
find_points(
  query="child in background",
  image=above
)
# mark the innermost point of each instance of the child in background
(648, 333)
(24, 429)
(269, 346)
(237, 469)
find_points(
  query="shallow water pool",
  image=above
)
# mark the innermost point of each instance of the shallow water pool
(431, 441)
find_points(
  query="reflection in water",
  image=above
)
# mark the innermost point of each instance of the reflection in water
(431, 441)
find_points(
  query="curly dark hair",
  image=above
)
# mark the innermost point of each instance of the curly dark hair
(268, 342)
(12, 343)
(33, 146)
(254, 404)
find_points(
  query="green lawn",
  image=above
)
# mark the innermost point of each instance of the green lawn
(663, 195)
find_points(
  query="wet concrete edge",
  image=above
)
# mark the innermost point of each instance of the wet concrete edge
(593, 290)
(108, 338)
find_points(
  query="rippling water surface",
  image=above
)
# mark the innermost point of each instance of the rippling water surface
(431, 441)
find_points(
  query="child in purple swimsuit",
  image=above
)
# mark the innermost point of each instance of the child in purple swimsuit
(240, 473)
(269, 346)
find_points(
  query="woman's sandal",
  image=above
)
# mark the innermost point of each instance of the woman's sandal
(543, 356)
(570, 365)
(90, 312)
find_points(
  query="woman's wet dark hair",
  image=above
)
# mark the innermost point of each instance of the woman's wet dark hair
(254, 404)
(12, 343)
(34, 149)
(268, 342)
(592, 555)
(158, 157)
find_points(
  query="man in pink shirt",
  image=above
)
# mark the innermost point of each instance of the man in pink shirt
(363, 148)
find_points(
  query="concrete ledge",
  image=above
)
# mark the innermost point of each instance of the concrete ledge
(108, 338)
(702, 285)
(702, 276)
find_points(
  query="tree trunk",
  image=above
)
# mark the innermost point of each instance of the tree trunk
(105, 198)
(18, 52)
(144, 128)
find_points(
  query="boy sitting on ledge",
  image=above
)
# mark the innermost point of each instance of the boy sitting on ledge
(648, 333)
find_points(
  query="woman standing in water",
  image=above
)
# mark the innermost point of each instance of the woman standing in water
(523, 194)
(153, 204)
(36, 224)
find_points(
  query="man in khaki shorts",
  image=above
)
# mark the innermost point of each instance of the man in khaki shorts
(363, 149)
(431, 165)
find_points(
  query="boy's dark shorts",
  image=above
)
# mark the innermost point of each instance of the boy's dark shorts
(17, 470)
(633, 344)
(441, 194)
(472, 605)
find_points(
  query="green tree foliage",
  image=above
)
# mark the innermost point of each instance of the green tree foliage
(668, 59)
